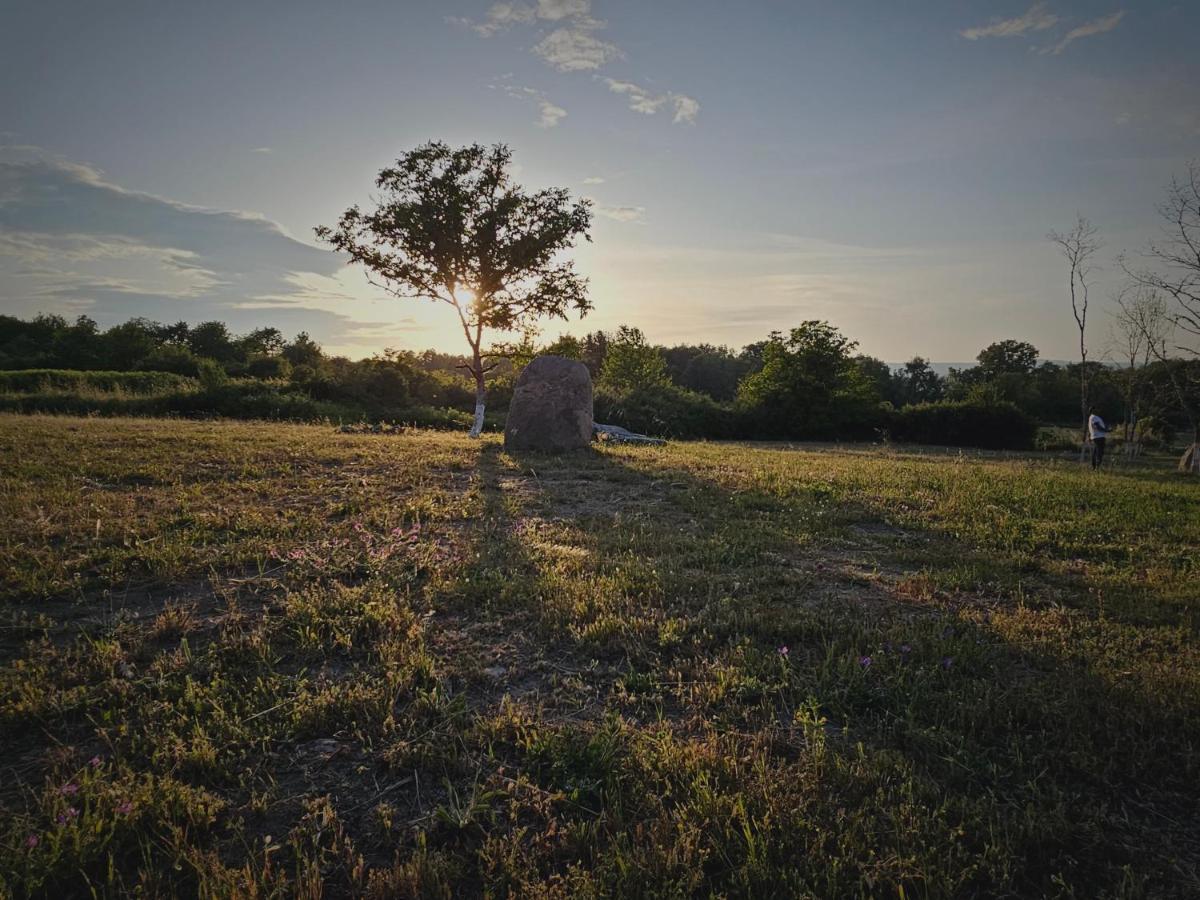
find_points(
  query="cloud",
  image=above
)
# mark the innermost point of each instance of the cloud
(70, 240)
(643, 101)
(1036, 18)
(551, 114)
(573, 46)
(621, 213)
(593, 179)
(262, 150)
(686, 108)
(1087, 29)
(501, 16)
(576, 49)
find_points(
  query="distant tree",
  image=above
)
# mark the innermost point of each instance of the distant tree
(1078, 246)
(127, 344)
(1139, 329)
(1007, 357)
(878, 374)
(631, 363)
(706, 368)
(452, 227)
(262, 341)
(303, 351)
(808, 385)
(566, 346)
(919, 383)
(595, 348)
(212, 340)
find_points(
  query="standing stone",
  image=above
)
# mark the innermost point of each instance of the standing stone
(551, 407)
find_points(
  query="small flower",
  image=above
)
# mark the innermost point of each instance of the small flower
(124, 807)
(32, 841)
(947, 662)
(783, 651)
(905, 649)
(69, 790)
(865, 662)
(96, 762)
(70, 815)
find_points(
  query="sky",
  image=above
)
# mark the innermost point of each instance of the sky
(892, 168)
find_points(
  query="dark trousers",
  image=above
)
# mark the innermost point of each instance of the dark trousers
(1097, 452)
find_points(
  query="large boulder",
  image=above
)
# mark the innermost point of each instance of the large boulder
(551, 408)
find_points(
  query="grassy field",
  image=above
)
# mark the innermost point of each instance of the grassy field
(268, 660)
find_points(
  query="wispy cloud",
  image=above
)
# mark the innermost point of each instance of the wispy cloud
(1036, 18)
(549, 114)
(1102, 25)
(643, 101)
(575, 48)
(621, 213)
(593, 179)
(262, 150)
(574, 45)
(72, 241)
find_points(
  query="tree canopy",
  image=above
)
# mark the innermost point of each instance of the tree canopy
(452, 227)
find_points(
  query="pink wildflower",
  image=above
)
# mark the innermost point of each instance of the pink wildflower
(783, 651)
(125, 807)
(69, 790)
(32, 841)
(64, 817)
(96, 762)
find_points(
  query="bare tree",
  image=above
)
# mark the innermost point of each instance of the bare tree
(1078, 246)
(1174, 260)
(1140, 328)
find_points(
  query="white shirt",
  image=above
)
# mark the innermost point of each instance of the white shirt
(1096, 427)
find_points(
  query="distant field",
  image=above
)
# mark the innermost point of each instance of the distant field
(245, 659)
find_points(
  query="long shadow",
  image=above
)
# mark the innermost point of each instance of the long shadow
(1109, 764)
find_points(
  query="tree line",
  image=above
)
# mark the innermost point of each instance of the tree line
(807, 383)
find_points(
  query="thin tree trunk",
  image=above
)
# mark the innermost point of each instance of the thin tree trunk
(480, 394)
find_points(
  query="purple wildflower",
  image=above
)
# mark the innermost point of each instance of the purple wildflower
(69, 790)
(865, 662)
(124, 807)
(783, 651)
(96, 762)
(905, 649)
(32, 841)
(947, 662)
(69, 815)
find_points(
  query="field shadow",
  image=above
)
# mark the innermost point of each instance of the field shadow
(993, 699)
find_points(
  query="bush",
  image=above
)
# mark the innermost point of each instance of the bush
(965, 423)
(269, 368)
(27, 381)
(667, 411)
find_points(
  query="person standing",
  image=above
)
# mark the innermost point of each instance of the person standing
(1098, 432)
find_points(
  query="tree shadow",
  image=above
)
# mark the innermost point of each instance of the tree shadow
(627, 558)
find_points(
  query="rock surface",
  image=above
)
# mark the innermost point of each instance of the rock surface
(551, 408)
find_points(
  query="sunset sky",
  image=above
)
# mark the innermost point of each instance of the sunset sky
(753, 164)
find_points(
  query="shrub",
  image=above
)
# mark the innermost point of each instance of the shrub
(268, 367)
(665, 410)
(26, 381)
(965, 423)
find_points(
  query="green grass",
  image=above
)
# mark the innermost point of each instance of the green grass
(275, 660)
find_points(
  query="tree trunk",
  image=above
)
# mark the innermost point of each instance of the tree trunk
(480, 395)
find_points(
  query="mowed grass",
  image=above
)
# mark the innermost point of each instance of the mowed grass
(274, 661)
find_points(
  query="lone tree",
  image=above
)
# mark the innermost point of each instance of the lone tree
(1078, 246)
(452, 227)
